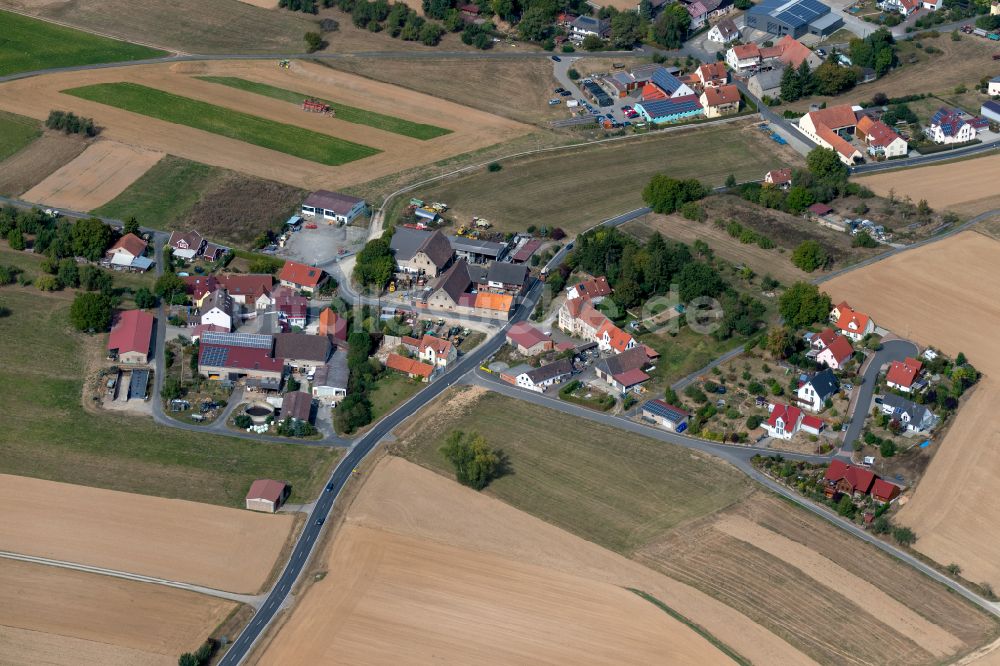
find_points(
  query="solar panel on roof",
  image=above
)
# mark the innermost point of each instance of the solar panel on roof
(669, 107)
(248, 340)
(214, 356)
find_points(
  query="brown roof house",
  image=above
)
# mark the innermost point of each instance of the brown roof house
(432, 256)
(296, 405)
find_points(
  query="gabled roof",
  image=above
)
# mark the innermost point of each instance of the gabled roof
(769, 79)
(671, 106)
(728, 94)
(696, 9)
(440, 347)
(788, 414)
(290, 304)
(630, 359)
(666, 81)
(713, 70)
(836, 141)
(547, 372)
(506, 273)
(248, 285)
(406, 241)
(851, 320)
(810, 421)
(826, 336)
(238, 358)
(333, 374)
(330, 323)
(525, 335)
(617, 338)
(820, 209)
(341, 204)
(301, 274)
(593, 288)
(841, 349)
(859, 479)
(834, 117)
(746, 51)
(409, 366)
(189, 240)
(903, 373)
(630, 378)
(793, 52)
(437, 248)
(455, 281)
(877, 133)
(302, 347)
(779, 176)
(131, 244)
(727, 28)
(825, 383)
(199, 285)
(218, 299)
(133, 332)
(664, 410)
(266, 489)
(297, 405)
(884, 491)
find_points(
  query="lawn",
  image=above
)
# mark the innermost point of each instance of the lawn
(29, 44)
(392, 390)
(684, 353)
(620, 491)
(343, 112)
(577, 188)
(49, 435)
(16, 132)
(237, 125)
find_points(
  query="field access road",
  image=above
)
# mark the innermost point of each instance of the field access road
(739, 457)
(892, 350)
(307, 540)
(252, 600)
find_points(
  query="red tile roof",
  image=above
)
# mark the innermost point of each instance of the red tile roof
(131, 244)
(826, 336)
(617, 338)
(632, 377)
(525, 335)
(746, 51)
(859, 479)
(810, 421)
(593, 288)
(199, 285)
(884, 491)
(332, 324)
(266, 489)
(712, 71)
(437, 344)
(652, 92)
(778, 176)
(249, 285)
(133, 332)
(834, 117)
(879, 134)
(728, 94)
(793, 52)
(244, 358)
(409, 366)
(820, 209)
(841, 349)
(836, 141)
(790, 415)
(290, 303)
(903, 373)
(851, 320)
(301, 274)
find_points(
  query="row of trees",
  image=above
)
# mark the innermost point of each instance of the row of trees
(70, 123)
(355, 410)
(88, 238)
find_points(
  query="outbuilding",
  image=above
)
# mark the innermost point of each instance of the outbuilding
(665, 415)
(333, 206)
(267, 495)
(131, 337)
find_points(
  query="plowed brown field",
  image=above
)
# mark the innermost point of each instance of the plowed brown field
(472, 129)
(37, 161)
(956, 281)
(95, 177)
(228, 549)
(61, 617)
(426, 570)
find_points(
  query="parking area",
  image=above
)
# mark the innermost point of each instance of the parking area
(583, 108)
(321, 245)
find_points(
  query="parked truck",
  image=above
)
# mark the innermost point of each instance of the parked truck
(979, 32)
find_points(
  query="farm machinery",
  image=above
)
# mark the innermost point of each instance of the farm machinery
(284, 64)
(315, 106)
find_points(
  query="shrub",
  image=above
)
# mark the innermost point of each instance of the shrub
(753, 421)
(242, 421)
(903, 536)
(475, 463)
(696, 394)
(494, 167)
(573, 74)
(809, 256)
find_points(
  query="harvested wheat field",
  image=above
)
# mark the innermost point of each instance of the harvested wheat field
(227, 549)
(954, 509)
(37, 161)
(98, 175)
(61, 617)
(472, 129)
(839, 599)
(968, 186)
(425, 570)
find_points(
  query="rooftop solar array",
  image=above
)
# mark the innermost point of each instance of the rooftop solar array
(214, 356)
(247, 340)
(800, 12)
(137, 384)
(657, 408)
(669, 107)
(666, 81)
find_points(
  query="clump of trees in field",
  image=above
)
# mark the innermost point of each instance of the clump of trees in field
(475, 462)
(70, 123)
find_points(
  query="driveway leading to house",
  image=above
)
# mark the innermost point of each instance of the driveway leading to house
(893, 350)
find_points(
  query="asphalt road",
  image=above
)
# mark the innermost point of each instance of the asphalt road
(893, 350)
(314, 525)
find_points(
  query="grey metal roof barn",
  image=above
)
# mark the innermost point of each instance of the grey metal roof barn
(791, 17)
(341, 204)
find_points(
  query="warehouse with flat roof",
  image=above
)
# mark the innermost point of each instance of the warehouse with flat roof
(793, 17)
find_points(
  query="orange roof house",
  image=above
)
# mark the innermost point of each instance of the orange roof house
(330, 323)
(901, 375)
(794, 52)
(130, 243)
(852, 323)
(409, 366)
(301, 276)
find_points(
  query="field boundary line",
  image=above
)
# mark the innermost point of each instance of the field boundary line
(251, 600)
(106, 35)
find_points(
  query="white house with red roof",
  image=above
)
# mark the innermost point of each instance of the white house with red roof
(855, 325)
(783, 422)
(903, 7)
(778, 178)
(594, 289)
(881, 139)
(822, 340)
(902, 375)
(129, 252)
(837, 353)
(301, 276)
(431, 349)
(812, 425)
(612, 338)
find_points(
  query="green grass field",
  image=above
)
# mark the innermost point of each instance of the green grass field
(392, 390)
(164, 194)
(237, 125)
(619, 490)
(48, 434)
(27, 44)
(346, 113)
(16, 132)
(577, 188)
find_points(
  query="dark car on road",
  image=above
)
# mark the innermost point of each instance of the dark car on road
(320, 520)
(557, 58)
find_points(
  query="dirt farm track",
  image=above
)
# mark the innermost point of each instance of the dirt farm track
(954, 510)
(472, 129)
(227, 549)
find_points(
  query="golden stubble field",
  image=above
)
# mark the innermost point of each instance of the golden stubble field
(968, 187)
(426, 571)
(60, 617)
(222, 548)
(472, 129)
(945, 295)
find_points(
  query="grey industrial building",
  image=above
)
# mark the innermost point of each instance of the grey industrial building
(793, 17)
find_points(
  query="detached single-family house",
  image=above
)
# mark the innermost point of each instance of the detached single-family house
(329, 382)
(252, 290)
(698, 13)
(743, 56)
(217, 309)
(724, 31)
(720, 101)
(186, 245)
(528, 340)
(836, 354)
(712, 74)
(948, 126)
(883, 491)
(410, 367)
(332, 207)
(131, 337)
(625, 370)
(902, 375)
(301, 277)
(902, 7)
(538, 379)
(594, 289)
(779, 178)
(912, 416)
(880, 138)
(850, 480)
(583, 26)
(431, 349)
(783, 422)
(129, 252)
(822, 340)
(665, 415)
(814, 392)
(292, 307)
(855, 325)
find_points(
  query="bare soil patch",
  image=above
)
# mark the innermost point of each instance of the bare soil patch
(57, 616)
(419, 511)
(228, 549)
(953, 508)
(95, 177)
(36, 162)
(472, 129)
(967, 186)
(263, 4)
